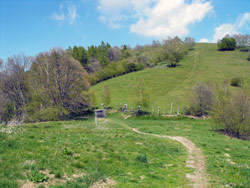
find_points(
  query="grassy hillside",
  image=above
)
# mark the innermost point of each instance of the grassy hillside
(204, 64)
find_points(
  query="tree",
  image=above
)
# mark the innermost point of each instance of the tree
(174, 50)
(80, 54)
(201, 101)
(190, 43)
(106, 96)
(226, 44)
(242, 41)
(114, 54)
(141, 96)
(57, 79)
(14, 84)
(125, 52)
(231, 114)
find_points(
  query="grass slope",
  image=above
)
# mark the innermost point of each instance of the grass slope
(204, 64)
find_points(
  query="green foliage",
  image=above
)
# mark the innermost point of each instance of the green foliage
(49, 113)
(142, 158)
(114, 69)
(37, 177)
(67, 152)
(236, 81)
(227, 44)
(125, 52)
(80, 54)
(231, 114)
(7, 112)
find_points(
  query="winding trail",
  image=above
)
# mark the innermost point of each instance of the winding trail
(195, 159)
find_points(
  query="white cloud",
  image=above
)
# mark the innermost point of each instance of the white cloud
(68, 12)
(58, 17)
(204, 40)
(242, 20)
(72, 14)
(154, 18)
(231, 29)
(223, 30)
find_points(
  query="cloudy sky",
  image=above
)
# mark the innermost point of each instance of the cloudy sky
(33, 26)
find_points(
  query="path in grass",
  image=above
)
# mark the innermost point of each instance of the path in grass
(195, 159)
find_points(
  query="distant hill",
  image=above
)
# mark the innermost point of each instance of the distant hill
(167, 85)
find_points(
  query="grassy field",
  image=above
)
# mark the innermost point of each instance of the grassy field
(204, 64)
(77, 154)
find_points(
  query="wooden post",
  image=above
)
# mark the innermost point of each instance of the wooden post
(159, 111)
(121, 107)
(171, 108)
(125, 107)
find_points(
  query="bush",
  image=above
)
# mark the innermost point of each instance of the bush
(67, 152)
(142, 158)
(231, 114)
(50, 113)
(227, 44)
(201, 101)
(37, 177)
(236, 82)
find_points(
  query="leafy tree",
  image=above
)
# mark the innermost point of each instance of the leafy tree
(125, 52)
(58, 80)
(80, 54)
(106, 96)
(227, 44)
(174, 50)
(92, 51)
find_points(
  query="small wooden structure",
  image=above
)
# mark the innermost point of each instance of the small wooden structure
(101, 113)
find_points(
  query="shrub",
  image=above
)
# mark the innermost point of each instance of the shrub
(201, 101)
(67, 151)
(227, 44)
(236, 81)
(37, 177)
(142, 158)
(231, 114)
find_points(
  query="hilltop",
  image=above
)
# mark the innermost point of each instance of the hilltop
(165, 85)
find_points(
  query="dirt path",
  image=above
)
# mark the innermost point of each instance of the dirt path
(195, 159)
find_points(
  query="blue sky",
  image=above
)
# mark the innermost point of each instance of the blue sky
(33, 26)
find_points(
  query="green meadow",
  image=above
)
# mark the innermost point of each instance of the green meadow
(79, 154)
